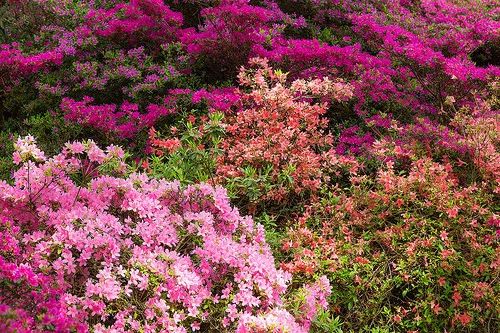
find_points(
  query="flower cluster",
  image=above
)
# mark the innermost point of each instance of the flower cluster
(124, 121)
(280, 131)
(136, 20)
(416, 243)
(222, 99)
(81, 250)
(14, 63)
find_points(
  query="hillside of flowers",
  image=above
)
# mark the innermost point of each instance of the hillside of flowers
(268, 166)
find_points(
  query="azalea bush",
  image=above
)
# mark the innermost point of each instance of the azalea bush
(279, 141)
(83, 250)
(404, 251)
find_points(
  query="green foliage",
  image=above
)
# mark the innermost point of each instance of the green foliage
(195, 158)
(252, 184)
(326, 322)
(6, 149)
(50, 130)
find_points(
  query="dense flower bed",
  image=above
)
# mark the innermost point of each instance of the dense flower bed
(272, 166)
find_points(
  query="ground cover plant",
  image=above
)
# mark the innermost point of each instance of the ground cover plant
(249, 166)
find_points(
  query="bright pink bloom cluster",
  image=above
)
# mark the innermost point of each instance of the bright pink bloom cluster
(124, 121)
(136, 20)
(14, 63)
(221, 99)
(83, 251)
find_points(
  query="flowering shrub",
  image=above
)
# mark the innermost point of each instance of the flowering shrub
(280, 135)
(404, 252)
(121, 56)
(271, 149)
(82, 250)
(468, 143)
(125, 121)
(229, 33)
(136, 21)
